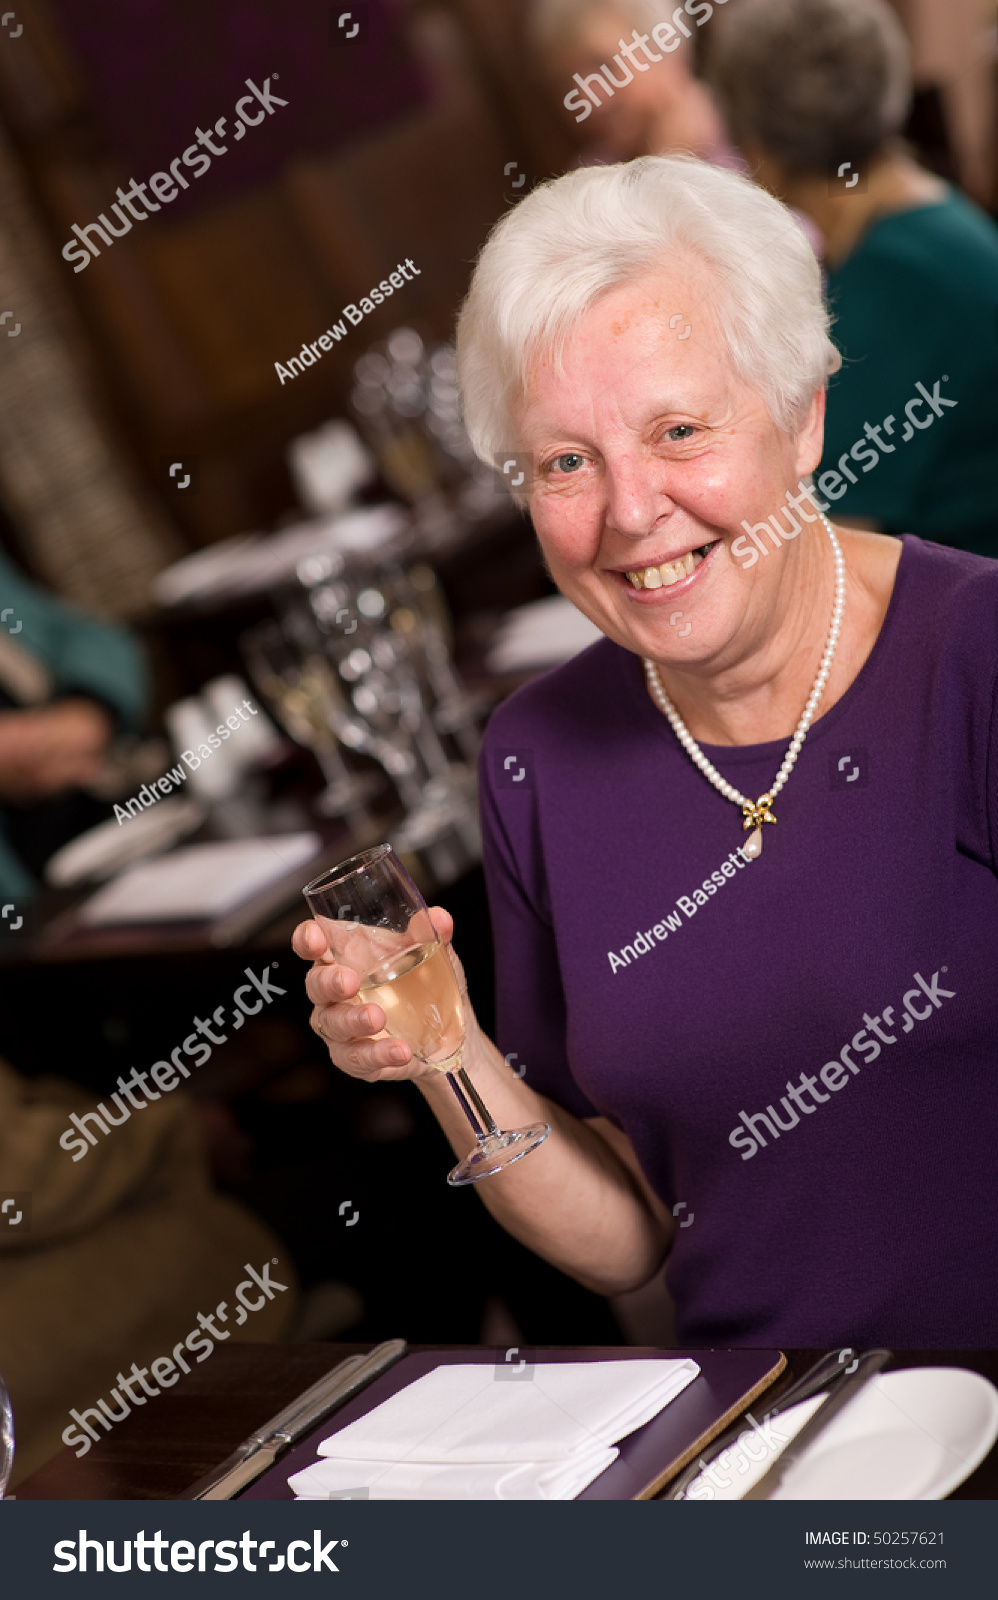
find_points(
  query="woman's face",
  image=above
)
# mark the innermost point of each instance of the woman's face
(622, 122)
(648, 449)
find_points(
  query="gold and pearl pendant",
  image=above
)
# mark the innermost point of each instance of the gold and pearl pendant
(755, 815)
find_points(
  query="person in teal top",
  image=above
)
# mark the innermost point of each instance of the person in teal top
(68, 683)
(916, 303)
(815, 92)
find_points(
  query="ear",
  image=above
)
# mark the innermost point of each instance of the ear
(811, 439)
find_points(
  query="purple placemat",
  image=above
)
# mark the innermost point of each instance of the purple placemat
(729, 1380)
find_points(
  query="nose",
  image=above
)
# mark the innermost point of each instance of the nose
(637, 495)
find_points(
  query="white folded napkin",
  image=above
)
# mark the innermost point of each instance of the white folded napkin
(202, 880)
(478, 1431)
(421, 1480)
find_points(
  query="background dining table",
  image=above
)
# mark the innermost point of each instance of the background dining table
(161, 1452)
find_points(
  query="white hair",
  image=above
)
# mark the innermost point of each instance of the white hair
(570, 241)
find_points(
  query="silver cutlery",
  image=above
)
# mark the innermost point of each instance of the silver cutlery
(845, 1390)
(825, 1371)
(260, 1450)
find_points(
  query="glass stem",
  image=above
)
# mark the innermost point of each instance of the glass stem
(473, 1106)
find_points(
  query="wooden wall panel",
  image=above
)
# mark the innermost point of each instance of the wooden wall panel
(186, 318)
(240, 293)
(439, 185)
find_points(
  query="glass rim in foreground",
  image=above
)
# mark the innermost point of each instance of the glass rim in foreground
(346, 869)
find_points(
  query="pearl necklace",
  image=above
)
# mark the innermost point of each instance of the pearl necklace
(759, 811)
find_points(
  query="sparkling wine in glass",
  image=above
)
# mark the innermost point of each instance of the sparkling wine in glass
(376, 921)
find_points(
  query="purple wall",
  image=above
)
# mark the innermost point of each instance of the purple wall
(158, 69)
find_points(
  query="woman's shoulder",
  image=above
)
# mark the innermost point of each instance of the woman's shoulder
(948, 566)
(952, 240)
(950, 594)
(955, 219)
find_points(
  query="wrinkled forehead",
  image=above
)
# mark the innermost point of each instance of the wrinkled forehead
(662, 321)
(677, 284)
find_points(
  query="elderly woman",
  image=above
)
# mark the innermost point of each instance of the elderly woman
(815, 93)
(744, 894)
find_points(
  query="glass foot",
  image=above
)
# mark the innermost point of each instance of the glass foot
(496, 1151)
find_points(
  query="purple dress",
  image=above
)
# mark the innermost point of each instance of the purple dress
(802, 1049)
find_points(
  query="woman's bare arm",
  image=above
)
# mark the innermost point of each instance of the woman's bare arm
(579, 1200)
(576, 1200)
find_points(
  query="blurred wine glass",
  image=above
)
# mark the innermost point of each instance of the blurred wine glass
(407, 404)
(387, 712)
(423, 617)
(394, 664)
(389, 396)
(304, 695)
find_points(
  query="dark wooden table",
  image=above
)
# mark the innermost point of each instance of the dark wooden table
(158, 1453)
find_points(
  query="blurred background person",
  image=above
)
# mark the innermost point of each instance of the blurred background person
(119, 1252)
(645, 108)
(68, 684)
(815, 92)
(634, 104)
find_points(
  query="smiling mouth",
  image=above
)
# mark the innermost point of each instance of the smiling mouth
(669, 572)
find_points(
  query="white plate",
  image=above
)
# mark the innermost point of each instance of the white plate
(102, 851)
(541, 634)
(249, 564)
(912, 1435)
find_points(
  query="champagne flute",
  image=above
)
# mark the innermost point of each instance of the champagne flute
(376, 921)
(304, 695)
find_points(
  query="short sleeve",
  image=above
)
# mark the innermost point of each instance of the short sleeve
(84, 655)
(531, 1023)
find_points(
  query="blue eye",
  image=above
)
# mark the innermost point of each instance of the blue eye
(568, 463)
(682, 430)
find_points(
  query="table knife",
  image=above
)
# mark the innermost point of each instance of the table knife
(846, 1389)
(260, 1450)
(330, 1381)
(829, 1369)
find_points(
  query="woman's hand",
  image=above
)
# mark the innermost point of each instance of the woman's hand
(580, 1201)
(46, 751)
(355, 1034)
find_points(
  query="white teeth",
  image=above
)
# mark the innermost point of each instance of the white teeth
(664, 576)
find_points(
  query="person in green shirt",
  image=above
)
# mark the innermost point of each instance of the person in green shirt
(815, 92)
(68, 683)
